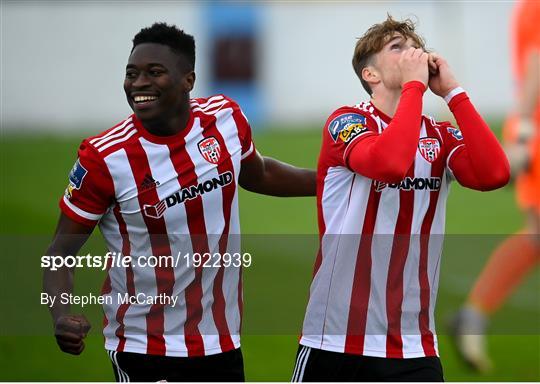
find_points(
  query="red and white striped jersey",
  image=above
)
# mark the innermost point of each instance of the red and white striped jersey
(156, 195)
(376, 273)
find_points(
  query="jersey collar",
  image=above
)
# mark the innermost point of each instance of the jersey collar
(163, 139)
(384, 117)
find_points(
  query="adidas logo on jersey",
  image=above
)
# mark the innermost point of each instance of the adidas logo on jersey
(148, 182)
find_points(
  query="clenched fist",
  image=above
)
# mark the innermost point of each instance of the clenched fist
(70, 331)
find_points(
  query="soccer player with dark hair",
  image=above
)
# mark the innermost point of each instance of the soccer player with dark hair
(382, 182)
(164, 182)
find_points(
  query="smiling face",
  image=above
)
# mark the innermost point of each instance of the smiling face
(157, 83)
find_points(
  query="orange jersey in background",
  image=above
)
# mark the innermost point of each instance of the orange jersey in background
(526, 39)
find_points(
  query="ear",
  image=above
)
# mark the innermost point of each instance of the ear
(189, 81)
(370, 75)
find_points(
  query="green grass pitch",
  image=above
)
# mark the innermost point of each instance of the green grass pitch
(34, 174)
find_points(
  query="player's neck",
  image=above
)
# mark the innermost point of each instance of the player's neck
(167, 127)
(386, 101)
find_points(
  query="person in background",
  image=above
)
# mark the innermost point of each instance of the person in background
(519, 254)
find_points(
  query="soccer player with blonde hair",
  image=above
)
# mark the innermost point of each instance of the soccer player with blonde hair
(382, 182)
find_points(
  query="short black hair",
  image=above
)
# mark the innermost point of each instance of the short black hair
(171, 36)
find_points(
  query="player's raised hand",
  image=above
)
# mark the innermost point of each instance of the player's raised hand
(441, 78)
(70, 331)
(413, 64)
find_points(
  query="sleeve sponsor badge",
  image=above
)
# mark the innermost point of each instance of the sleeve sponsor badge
(76, 177)
(347, 126)
(455, 132)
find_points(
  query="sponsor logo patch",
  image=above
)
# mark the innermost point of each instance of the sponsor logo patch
(347, 126)
(76, 177)
(187, 193)
(429, 148)
(455, 132)
(210, 149)
(155, 211)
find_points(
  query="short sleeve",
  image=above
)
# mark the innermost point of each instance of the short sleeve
(90, 189)
(246, 139)
(244, 131)
(344, 129)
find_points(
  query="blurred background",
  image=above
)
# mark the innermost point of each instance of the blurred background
(288, 64)
(285, 62)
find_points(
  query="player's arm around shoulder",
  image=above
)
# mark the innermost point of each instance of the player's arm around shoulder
(272, 177)
(268, 176)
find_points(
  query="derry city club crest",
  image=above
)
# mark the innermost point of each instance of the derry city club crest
(429, 148)
(210, 149)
